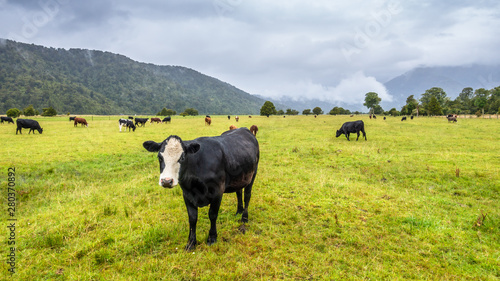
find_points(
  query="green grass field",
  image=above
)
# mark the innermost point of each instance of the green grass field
(406, 204)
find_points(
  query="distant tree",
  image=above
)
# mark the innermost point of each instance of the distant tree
(29, 111)
(163, 112)
(49, 111)
(411, 104)
(268, 109)
(13, 112)
(191, 111)
(436, 92)
(371, 100)
(171, 112)
(393, 112)
(306, 112)
(317, 110)
(480, 98)
(378, 109)
(433, 107)
(291, 112)
(280, 112)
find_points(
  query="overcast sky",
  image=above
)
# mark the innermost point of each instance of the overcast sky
(327, 49)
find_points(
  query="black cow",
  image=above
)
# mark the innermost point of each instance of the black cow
(207, 167)
(72, 118)
(384, 117)
(411, 117)
(28, 124)
(6, 119)
(166, 119)
(403, 119)
(127, 123)
(141, 121)
(131, 117)
(229, 117)
(352, 127)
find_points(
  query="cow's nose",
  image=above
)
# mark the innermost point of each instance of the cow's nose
(167, 182)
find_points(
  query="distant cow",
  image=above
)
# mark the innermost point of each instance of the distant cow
(166, 119)
(254, 129)
(232, 127)
(206, 168)
(6, 119)
(229, 117)
(403, 119)
(72, 118)
(127, 123)
(131, 117)
(80, 121)
(411, 117)
(208, 121)
(384, 117)
(237, 118)
(352, 127)
(156, 120)
(374, 116)
(28, 124)
(450, 119)
(140, 121)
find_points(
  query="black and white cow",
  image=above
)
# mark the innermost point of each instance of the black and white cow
(127, 123)
(28, 124)
(206, 168)
(141, 121)
(6, 119)
(352, 127)
(167, 119)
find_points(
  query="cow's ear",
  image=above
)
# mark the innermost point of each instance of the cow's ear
(193, 148)
(152, 146)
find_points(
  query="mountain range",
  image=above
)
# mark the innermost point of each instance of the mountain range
(81, 81)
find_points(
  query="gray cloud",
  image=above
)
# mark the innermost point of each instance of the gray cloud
(330, 50)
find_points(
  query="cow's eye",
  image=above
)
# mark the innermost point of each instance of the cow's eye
(181, 158)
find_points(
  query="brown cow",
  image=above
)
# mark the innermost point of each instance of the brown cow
(232, 127)
(254, 129)
(157, 120)
(81, 121)
(208, 121)
(237, 118)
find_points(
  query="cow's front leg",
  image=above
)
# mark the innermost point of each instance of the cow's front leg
(213, 212)
(347, 136)
(193, 218)
(240, 202)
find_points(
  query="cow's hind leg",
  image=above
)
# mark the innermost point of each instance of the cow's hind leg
(248, 195)
(357, 137)
(213, 212)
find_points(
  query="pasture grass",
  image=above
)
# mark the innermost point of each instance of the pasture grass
(406, 204)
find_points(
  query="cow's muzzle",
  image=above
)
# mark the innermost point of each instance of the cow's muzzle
(167, 182)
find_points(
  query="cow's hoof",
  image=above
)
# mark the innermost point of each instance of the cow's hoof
(244, 219)
(190, 246)
(239, 211)
(211, 240)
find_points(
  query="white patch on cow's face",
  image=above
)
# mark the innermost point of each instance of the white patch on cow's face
(171, 155)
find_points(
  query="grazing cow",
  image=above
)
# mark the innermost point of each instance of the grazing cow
(6, 119)
(229, 117)
(352, 127)
(249, 116)
(127, 123)
(450, 119)
(206, 168)
(72, 119)
(131, 117)
(351, 115)
(232, 127)
(411, 117)
(237, 118)
(80, 121)
(155, 119)
(374, 116)
(141, 121)
(208, 121)
(28, 124)
(403, 119)
(254, 129)
(166, 119)
(384, 117)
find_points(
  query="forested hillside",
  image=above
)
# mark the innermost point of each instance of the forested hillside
(94, 82)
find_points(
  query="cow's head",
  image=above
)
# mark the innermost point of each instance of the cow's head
(40, 130)
(339, 132)
(171, 155)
